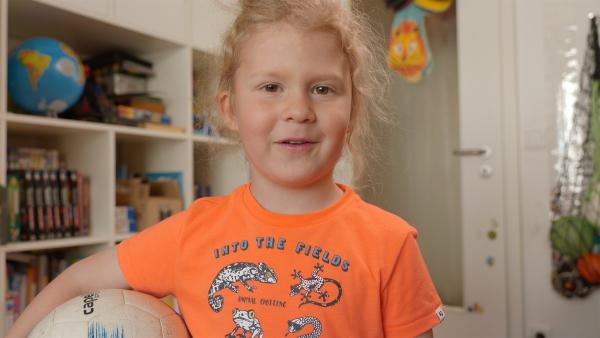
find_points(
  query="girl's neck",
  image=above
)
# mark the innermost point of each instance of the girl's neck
(290, 200)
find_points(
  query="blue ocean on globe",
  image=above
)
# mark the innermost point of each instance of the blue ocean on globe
(45, 76)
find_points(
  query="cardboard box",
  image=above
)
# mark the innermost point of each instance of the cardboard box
(132, 191)
(153, 201)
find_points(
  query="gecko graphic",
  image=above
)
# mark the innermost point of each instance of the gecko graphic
(238, 272)
(314, 284)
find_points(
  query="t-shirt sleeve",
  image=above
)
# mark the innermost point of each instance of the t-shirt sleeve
(148, 260)
(410, 304)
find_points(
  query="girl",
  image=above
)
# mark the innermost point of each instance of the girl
(291, 252)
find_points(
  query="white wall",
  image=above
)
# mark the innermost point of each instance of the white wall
(547, 30)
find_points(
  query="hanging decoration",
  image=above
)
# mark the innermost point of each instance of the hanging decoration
(408, 49)
(575, 231)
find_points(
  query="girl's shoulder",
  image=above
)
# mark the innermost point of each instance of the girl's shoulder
(380, 221)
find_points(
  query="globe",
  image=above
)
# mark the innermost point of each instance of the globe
(45, 76)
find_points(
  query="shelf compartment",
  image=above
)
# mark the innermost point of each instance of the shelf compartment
(33, 268)
(140, 155)
(54, 244)
(205, 83)
(224, 168)
(81, 150)
(85, 35)
(173, 82)
(89, 37)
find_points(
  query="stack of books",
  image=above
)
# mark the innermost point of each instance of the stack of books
(44, 201)
(26, 275)
(124, 79)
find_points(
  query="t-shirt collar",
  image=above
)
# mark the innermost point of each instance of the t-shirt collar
(295, 220)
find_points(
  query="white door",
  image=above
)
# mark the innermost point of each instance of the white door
(448, 165)
(483, 172)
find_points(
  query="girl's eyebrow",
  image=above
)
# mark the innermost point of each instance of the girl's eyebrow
(269, 74)
(314, 77)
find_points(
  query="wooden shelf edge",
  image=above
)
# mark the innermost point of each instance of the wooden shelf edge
(122, 237)
(213, 140)
(32, 120)
(53, 244)
(43, 121)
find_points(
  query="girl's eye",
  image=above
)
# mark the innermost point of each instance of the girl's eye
(322, 90)
(271, 87)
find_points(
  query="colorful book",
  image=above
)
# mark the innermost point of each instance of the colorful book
(13, 191)
(56, 212)
(65, 202)
(48, 204)
(4, 214)
(30, 205)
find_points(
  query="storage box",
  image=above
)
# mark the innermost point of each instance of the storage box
(153, 201)
(123, 84)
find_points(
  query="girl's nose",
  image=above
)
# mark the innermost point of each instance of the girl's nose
(299, 109)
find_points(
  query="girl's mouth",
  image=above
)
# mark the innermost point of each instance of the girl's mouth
(296, 144)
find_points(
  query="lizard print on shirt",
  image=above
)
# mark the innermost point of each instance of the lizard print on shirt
(238, 272)
(314, 284)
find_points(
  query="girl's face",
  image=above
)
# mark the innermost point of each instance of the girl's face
(290, 103)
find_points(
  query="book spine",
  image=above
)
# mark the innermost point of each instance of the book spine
(32, 278)
(13, 212)
(80, 197)
(39, 205)
(30, 202)
(65, 201)
(43, 275)
(58, 225)
(74, 203)
(48, 204)
(86, 206)
(23, 210)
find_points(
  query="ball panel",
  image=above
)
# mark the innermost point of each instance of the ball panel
(42, 328)
(89, 306)
(173, 327)
(147, 303)
(60, 330)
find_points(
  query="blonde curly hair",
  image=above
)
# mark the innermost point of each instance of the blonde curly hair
(362, 47)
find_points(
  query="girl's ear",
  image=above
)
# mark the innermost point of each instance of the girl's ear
(226, 110)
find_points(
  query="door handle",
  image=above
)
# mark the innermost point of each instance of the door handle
(485, 152)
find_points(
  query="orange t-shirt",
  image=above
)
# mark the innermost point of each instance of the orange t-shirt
(349, 270)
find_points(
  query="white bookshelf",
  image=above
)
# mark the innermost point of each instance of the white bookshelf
(182, 41)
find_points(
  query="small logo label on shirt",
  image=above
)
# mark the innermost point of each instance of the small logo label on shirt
(440, 313)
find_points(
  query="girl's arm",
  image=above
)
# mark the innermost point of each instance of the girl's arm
(428, 334)
(99, 271)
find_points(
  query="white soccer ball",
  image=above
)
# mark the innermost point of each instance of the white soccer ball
(111, 313)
